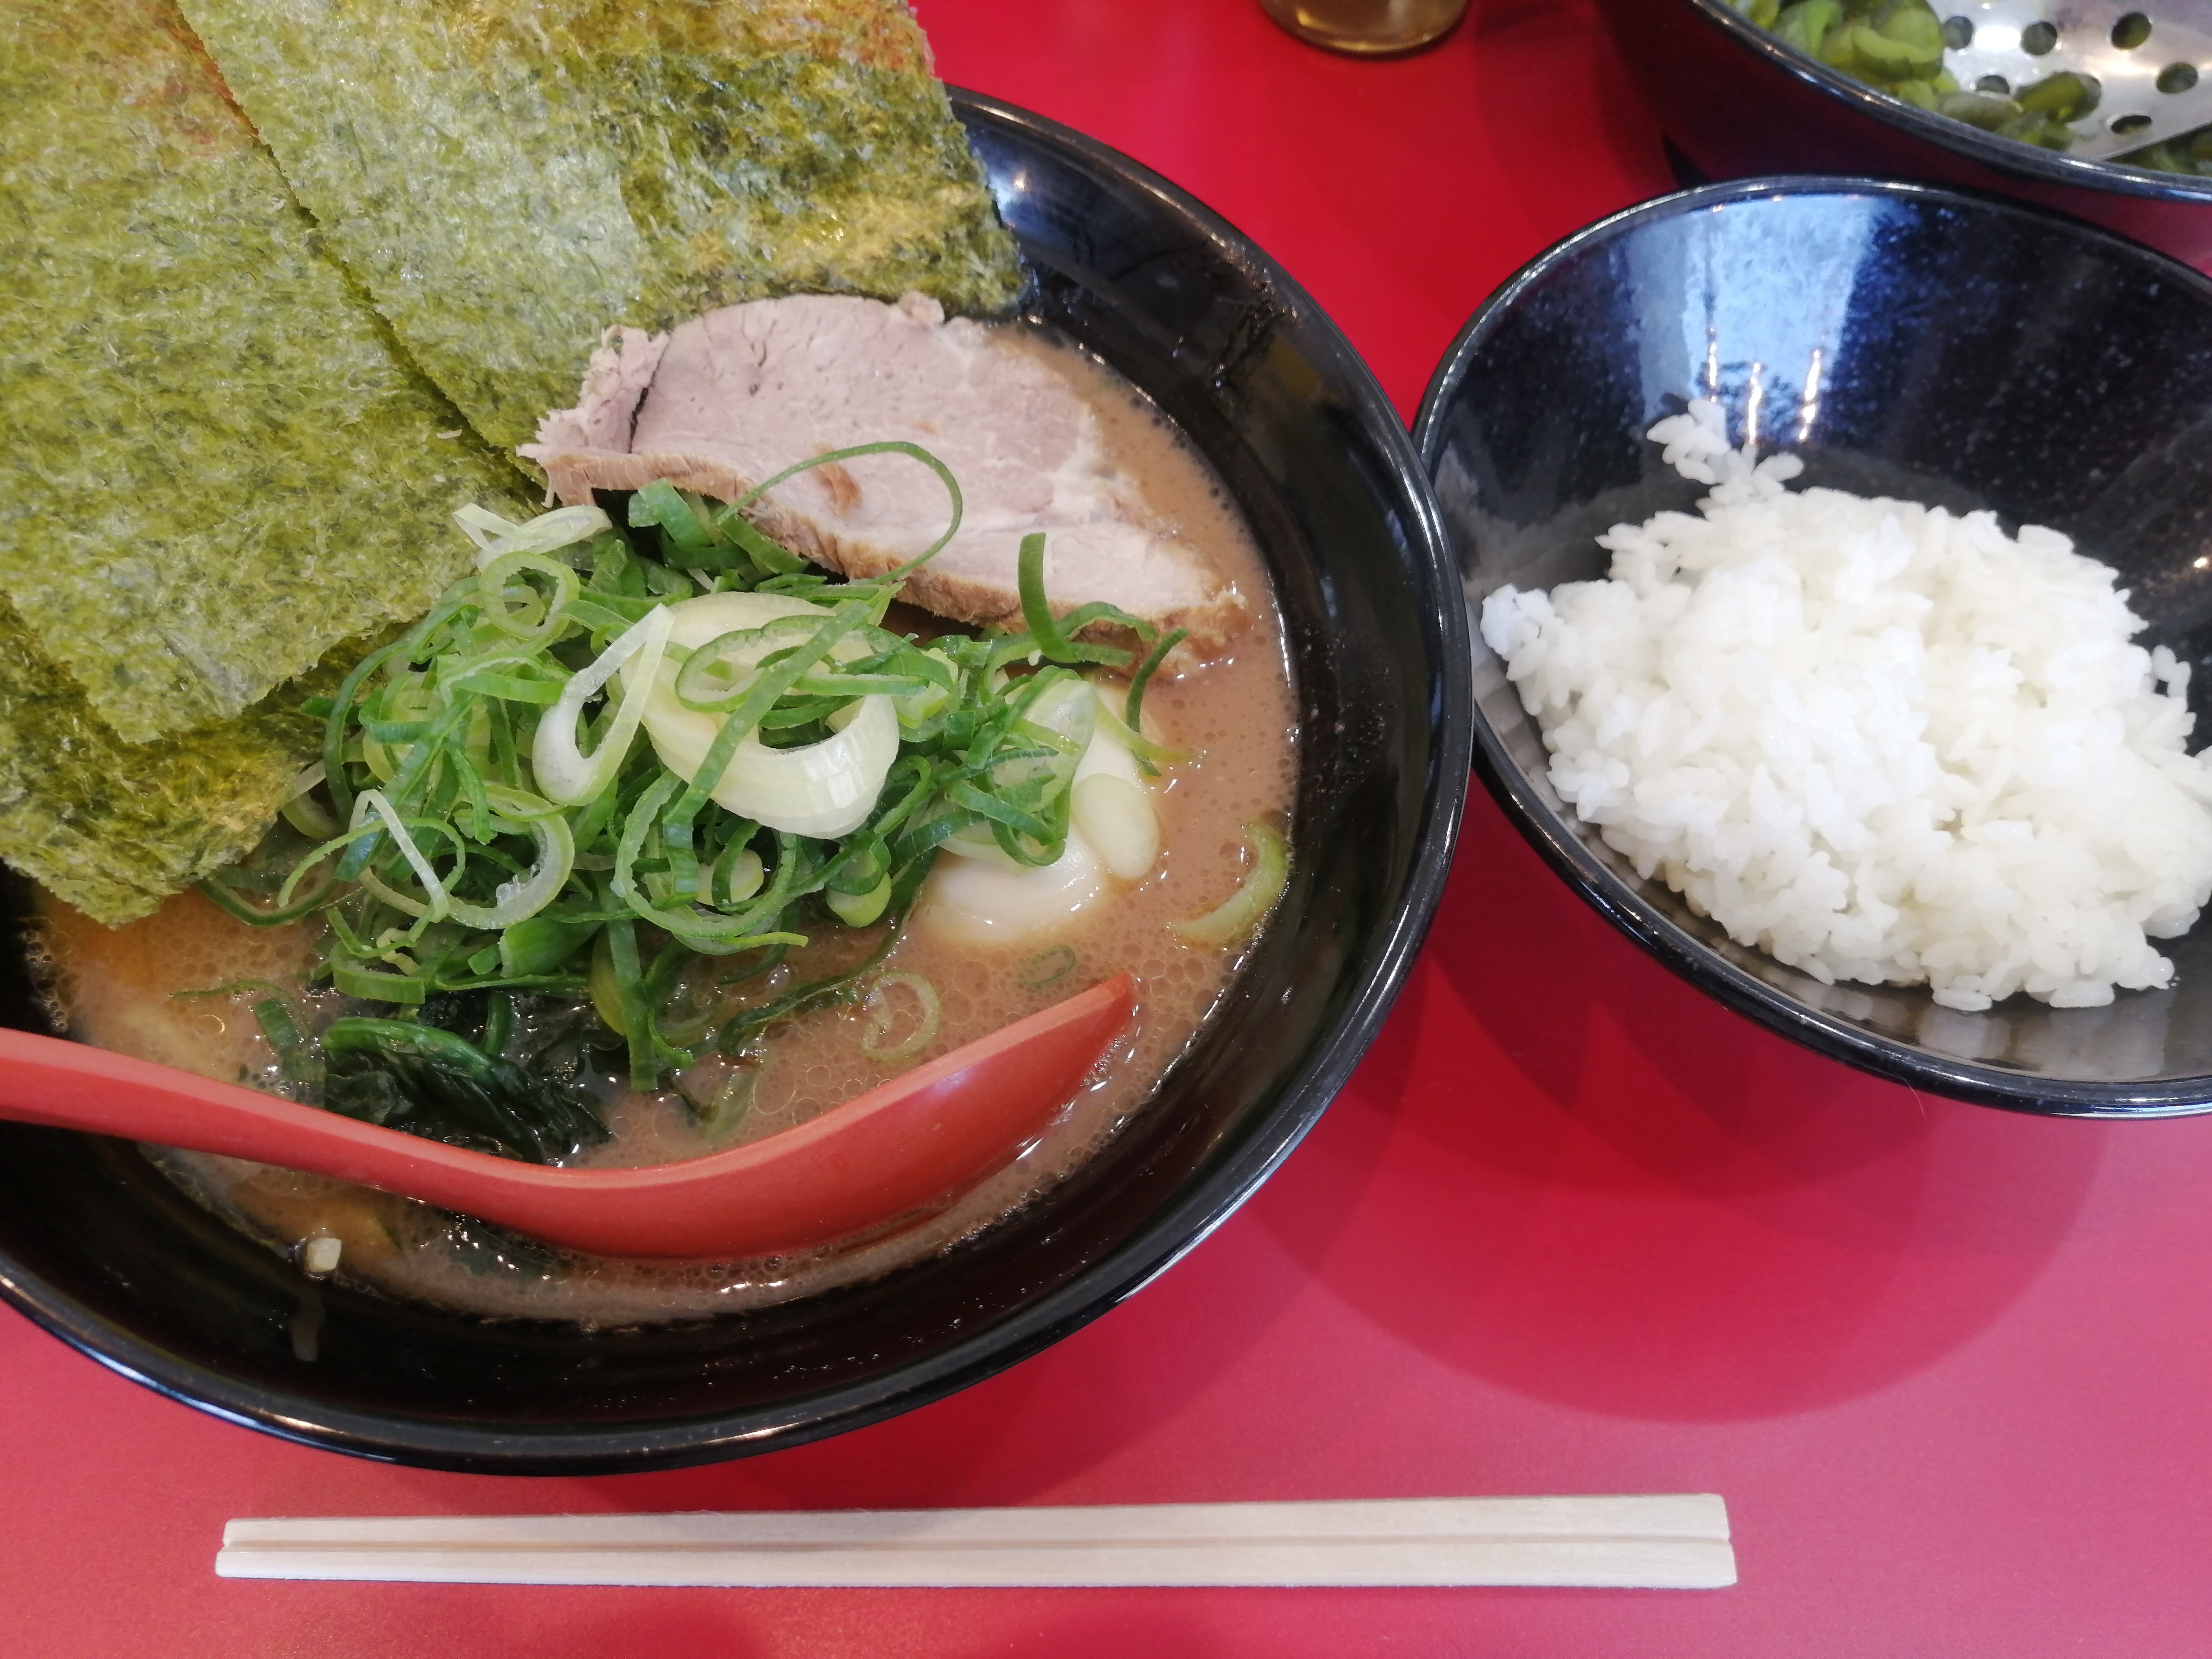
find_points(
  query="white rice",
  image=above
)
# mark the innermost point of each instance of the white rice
(1877, 741)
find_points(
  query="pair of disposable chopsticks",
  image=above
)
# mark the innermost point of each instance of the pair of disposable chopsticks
(1657, 1542)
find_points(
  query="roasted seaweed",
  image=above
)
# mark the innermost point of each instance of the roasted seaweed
(114, 827)
(220, 465)
(224, 461)
(508, 177)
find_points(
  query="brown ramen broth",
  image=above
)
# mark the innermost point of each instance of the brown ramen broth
(156, 989)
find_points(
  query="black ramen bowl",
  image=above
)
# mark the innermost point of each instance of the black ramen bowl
(1738, 104)
(1963, 351)
(99, 1248)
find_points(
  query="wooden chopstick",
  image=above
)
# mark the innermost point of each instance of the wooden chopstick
(1656, 1542)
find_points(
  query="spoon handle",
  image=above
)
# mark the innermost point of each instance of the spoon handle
(73, 1085)
(925, 1134)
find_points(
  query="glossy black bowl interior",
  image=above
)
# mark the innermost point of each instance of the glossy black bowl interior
(1963, 351)
(1739, 104)
(98, 1247)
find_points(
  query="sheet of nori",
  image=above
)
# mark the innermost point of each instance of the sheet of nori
(218, 463)
(115, 827)
(508, 177)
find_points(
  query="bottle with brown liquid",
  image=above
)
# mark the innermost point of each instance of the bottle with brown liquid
(1366, 27)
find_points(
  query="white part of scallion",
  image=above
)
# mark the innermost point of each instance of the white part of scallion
(520, 899)
(978, 902)
(436, 904)
(1108, 802)
(303, 811)
(495, 537)
(822, 790)
(1116, 816)
(564, 774)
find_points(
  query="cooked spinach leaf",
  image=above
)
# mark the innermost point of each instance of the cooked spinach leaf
(435, 1082)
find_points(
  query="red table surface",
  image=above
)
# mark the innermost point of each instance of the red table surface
(1571, 1228)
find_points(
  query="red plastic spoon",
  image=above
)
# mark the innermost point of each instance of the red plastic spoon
(920, 1138)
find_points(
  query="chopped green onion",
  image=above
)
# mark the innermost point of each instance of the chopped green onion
(303, 811)
(1149, 755)
(564, 774)
(505, 832)
(880, 1019)
(1046, 968)
(694, 538)
(636, 1009)
(742, 1027)
(723, 1115)
(518, 901)
(541, 614)
(1132, 712)
(435, 902)
(736, 876)
(860, 909)
(219, 893)
(376, 985)
(540, 943)
(1052, 637)
(1242, 911)
(495, 537)
(887, 446)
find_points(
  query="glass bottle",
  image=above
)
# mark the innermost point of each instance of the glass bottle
(1368, 27)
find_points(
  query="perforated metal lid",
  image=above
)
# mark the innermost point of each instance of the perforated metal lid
(2152, 68)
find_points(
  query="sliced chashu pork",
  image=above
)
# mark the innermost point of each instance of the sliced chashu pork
(738, 394)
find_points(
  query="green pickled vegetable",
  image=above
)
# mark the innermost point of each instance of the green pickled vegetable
(1895, 53)
(1988, 111)
(1897, 46)
(1806, 24)
(2062, 97)
(2191, 153)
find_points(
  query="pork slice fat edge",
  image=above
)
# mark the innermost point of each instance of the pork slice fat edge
(735, 396)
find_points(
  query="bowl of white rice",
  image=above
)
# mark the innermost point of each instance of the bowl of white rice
(1841, 559)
